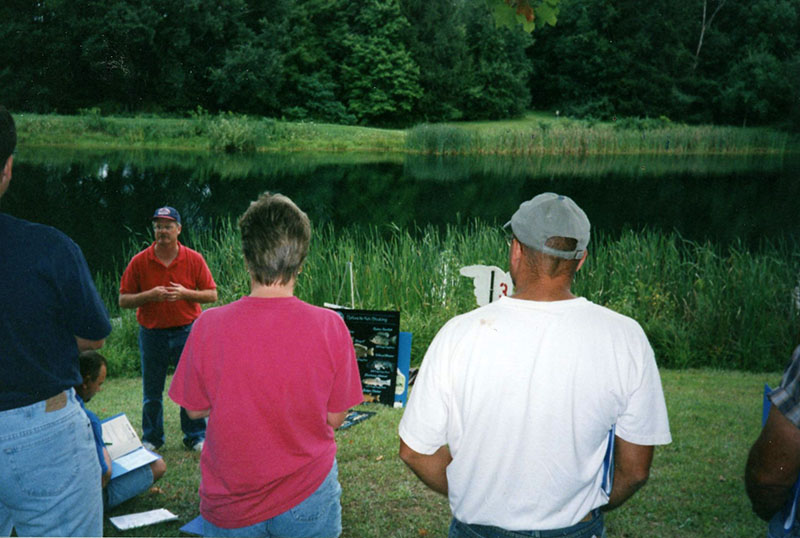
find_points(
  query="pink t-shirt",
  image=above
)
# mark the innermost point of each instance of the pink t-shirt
(270, 370)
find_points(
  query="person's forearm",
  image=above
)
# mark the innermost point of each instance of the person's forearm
(766, 500)
(107, 476)
(631, 470)
(134, 300)
(624, 486)
(201, 296)
(431, 469)
(767, 487)
(195, 415)
(336, 419)
(89, 345)
(772, 465)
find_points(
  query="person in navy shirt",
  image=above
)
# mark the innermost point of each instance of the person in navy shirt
(50, 312)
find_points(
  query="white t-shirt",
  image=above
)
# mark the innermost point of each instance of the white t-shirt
(525, 393)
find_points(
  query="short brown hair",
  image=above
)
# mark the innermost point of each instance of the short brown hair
(90, 364)
(275, 238)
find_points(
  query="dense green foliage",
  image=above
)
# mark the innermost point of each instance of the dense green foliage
(402, 62)
(379, 62)
(700, 306)
(739, 65)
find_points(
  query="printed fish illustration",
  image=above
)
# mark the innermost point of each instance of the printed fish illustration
(363, 351)
(382, 339)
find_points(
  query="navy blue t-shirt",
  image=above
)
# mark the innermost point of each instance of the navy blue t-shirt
(47, 297)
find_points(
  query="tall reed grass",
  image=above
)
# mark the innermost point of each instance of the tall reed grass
(570, 137)
(700, 305)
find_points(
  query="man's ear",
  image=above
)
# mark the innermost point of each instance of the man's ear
(514, 252)
(580, 263)
(5, 174)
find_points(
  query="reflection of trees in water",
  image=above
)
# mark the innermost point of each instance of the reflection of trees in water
(105, 201)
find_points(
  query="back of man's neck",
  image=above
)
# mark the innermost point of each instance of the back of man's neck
(543, 291)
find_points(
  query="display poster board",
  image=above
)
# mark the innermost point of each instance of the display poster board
(375, 335)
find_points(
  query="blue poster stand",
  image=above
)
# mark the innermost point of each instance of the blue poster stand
(403, 367)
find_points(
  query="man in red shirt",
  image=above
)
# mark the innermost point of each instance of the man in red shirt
(166, 283)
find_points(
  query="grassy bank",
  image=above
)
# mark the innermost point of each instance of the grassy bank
(534, 134)
(699, 305)
(714, 418)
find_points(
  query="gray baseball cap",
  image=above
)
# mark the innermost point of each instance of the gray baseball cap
(551, 215)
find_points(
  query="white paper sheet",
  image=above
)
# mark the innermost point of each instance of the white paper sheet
(119, 436)
(140, 519)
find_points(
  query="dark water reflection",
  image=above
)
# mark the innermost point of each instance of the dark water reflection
(103, 199)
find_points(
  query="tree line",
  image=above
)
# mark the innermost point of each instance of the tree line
(401, 62)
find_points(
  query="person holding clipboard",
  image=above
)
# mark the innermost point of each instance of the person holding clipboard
(118, 489)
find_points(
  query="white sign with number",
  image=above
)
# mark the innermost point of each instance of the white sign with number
(490, 282)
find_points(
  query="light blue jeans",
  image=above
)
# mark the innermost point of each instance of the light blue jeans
(319, 516)
(127, 486)
(49, 472)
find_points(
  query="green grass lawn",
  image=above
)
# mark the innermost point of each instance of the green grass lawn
(696, 487)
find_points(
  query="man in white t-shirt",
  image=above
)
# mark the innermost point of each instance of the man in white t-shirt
(518, 402)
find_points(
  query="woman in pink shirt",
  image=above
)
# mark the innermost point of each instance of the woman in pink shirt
(275, 376)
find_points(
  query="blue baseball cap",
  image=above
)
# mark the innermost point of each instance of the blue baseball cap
(167, 212)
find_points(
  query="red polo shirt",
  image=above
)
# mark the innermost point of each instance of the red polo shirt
(145, 271)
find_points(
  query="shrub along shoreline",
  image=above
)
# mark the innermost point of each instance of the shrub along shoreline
(701, 306)
(536, 133)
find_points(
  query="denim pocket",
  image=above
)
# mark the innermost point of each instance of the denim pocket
(46, 462)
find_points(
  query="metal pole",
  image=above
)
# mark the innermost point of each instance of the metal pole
(352, 286)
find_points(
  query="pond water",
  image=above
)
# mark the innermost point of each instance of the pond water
(103, 199)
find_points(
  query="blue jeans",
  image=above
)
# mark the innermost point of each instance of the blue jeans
(319, 516)
(585, 529)
(160, 349)
(49, 471)
(127, 486)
